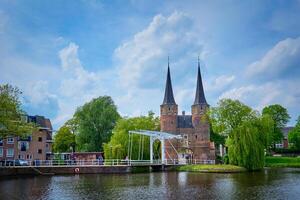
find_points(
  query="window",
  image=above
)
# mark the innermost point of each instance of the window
(40, 151)
(196, 136)
(10, 152)
(1, 151)
(40, 139)
(1, 142)
(185, 137)
(23, 145)
(10, 140)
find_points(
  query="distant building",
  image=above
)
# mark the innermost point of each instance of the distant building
(37, 146)
(284, 144)
(194, 128)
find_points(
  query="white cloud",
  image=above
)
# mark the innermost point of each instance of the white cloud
(139, 59)
(220, 83)
(259, 96)
(79, 80)
(283, 58)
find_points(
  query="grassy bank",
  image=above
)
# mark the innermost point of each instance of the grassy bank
(282, 162)
(211, 168)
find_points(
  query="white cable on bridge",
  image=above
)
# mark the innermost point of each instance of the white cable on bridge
(142, 147)
(173, 146)
(128, 144)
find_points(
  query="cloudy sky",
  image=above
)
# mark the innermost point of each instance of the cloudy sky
(62, 54)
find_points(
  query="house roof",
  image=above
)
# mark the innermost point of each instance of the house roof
(169, 97)
(199, 97)
(184, 121)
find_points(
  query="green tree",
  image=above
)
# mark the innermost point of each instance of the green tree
(248, 133)
(64, 140)
(228, 115)
(294, 135)
(11, 123)
(95, 121)
(280, 117)
(118, 145)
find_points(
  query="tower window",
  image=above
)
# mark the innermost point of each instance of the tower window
(169, 108)
(196, 136)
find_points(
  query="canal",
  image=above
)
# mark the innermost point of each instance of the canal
(267, 184)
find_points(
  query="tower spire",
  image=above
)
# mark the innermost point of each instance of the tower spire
(200, 97)
(169, 97)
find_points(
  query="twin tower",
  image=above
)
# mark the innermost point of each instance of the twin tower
(194, 129)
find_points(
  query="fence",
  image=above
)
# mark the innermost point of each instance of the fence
(107, 162)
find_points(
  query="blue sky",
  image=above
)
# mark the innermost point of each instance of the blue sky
(62, 54)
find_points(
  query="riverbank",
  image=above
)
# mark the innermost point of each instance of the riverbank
(293, 162)
(211, 168)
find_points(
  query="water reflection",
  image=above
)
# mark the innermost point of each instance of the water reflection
(269, 184)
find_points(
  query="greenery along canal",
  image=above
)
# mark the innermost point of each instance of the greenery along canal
(266, 184)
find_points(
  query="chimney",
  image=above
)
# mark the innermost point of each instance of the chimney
(183, 112)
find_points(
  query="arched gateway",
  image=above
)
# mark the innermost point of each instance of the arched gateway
(194, 129)
(184, 138)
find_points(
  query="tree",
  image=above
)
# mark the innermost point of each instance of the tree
(294, 135)
(117, 148)
(248, 133)
(228, 115)
(280, 117)
(11, 123)
(64, 140)
(95, 121)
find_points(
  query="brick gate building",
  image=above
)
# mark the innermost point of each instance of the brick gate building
(193, 128)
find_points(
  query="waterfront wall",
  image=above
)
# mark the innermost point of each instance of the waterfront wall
(56, 170)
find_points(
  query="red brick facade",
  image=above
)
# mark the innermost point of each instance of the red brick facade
(37, 146)
(194, 128)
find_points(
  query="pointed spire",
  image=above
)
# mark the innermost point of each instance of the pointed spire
(169, 97)
(200, 97)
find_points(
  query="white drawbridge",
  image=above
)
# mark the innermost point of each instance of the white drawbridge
(154, 135)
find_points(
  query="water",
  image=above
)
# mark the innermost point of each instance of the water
(268, 184)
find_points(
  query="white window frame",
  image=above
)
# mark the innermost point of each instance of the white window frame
(10, 155)
(1, 151)
(10, 140)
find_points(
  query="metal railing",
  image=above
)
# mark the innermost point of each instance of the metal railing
(106, 162)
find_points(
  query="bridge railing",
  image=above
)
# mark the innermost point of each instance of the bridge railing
(106, 162)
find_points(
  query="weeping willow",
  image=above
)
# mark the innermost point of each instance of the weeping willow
(247, 143)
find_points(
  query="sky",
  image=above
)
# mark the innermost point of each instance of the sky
(62, 54)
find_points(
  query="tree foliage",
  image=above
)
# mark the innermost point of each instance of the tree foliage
(117, 148)
(280, 117)
(94, 122)
(228, 115)
(294, 135)
(64, 140)
(248, 133)
(11, 123)
(247, 143)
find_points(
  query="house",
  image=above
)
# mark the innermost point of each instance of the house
(284, 143)
(37, 146)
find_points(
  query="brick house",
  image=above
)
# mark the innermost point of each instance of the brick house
(37, 146)
(284, 142)
(194, 128)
